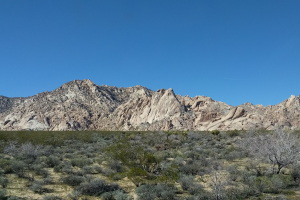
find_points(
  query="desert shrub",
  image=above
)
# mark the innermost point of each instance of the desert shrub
(159, 191)
(48, 150)
(168, 174)
(187, 183)
(115, 195)
(39, 170)
(42, 172)
(273, 184)
(192, 154)
(295, 174)
(48, 180)
(204, 162)
(3, 181)
(215, 132)
(259, 184)
(3, 194)
(195, 189)
(233, 133)
(133, 155)
(97, 169)
(120, 195)
(14, 198)
(74, 195)
(5, 165)
(73, 180)
(87, 170)
(203, 196)
(64, 166)
(96, 187)
(52, 197)
(10, 148)
(80, 162)
(233, 172)
(117, 176)
(116, 166)
(38, 187)
(193, 136)
(192, 168)
(279, 182)
(28, 152)
(68, 155)
(137, 175)
(18, 167)
(233, 155)
(52, 161)
(234, 193)
(108, 172)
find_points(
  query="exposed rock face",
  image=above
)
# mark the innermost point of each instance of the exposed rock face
(83, 105)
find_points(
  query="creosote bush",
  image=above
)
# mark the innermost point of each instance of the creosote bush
(73, 180)
(159, 191)
(3, 194)
(3, 181)
(96, 187)
(215, 132)
(52, 161)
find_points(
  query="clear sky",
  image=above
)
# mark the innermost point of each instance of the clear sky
(234, 51)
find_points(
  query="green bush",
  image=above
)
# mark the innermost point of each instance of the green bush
(215, 132)
(3, 194)
(73, 180)
(38, 187)
(52, 161)
(52, 197)
(116, 166)
(187, 183)
(296, 174)
(80, 162)
(14, 198)
(233, 133)
(274, 184)
(137, 175)
(159, 191)
(39, 170)
(64, 166)
(236, 193)
(5, 165)
(74, 195)
(192, 167)
(115, 195)
(18, 167)
(3, 181)
(96, 187)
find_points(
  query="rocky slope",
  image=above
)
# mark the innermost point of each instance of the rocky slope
(83, 105)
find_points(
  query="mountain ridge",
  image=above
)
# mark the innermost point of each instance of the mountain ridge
(83, 105)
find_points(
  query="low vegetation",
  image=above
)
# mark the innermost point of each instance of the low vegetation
(91, 165)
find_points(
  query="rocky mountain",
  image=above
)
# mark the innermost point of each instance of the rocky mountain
(83, 105)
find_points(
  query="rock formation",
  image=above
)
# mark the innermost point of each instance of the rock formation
(83, 105)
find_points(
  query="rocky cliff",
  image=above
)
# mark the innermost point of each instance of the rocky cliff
(83, 105)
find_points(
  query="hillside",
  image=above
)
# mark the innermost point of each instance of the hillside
(83, 105)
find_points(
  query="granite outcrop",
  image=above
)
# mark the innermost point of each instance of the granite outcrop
(83, 105)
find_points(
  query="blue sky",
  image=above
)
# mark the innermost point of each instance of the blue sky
(231, 50)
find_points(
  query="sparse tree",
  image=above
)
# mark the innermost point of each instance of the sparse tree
(280, 147)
